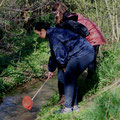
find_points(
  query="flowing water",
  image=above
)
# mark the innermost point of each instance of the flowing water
(11, 107)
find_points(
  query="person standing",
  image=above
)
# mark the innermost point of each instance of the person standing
(64, 19)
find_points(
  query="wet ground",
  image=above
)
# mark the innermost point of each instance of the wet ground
(11, 107)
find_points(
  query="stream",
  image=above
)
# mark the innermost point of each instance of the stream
(11, 107)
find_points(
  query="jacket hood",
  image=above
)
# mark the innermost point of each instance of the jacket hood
(49, 31)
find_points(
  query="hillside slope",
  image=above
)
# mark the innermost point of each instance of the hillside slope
(99, 103)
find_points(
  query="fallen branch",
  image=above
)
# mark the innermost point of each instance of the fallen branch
(105, 89)
(1, 3)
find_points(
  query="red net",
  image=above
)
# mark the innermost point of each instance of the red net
(27, 103)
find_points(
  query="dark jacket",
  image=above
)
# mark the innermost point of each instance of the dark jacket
(65, 45)
(95, 37)
(70, 22)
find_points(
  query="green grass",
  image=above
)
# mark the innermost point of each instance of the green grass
(27, 60)
(29, 54)
(104, 104)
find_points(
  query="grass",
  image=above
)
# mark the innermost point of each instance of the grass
(26, 60)
(106, 106)
(101, 99)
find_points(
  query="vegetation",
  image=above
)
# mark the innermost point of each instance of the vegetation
(101, 102)
(23, 55)
(24, 64)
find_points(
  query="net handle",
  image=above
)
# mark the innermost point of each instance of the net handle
(40, 89)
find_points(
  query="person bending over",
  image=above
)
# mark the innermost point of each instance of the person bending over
(86, 28)
(72, 54)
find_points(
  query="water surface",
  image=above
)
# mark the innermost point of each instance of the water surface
(11, 107)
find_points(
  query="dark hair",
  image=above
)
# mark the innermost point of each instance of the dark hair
(41, 25)
(61, 8)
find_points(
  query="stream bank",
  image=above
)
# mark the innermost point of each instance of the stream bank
(11, 107)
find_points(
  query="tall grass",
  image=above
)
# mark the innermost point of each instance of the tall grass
(105, 107)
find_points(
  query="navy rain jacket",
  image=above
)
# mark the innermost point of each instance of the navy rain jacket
(64, 45)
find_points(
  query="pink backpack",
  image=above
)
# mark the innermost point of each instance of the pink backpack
(95, 37)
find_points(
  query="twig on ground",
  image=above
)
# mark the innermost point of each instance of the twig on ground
(105, 89)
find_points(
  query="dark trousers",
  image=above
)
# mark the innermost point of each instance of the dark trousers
(91, 70)
(74, 68)
(60, 76)
(93, 65)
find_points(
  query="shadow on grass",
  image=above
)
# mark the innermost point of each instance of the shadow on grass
(85, 85)
(20, 55)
